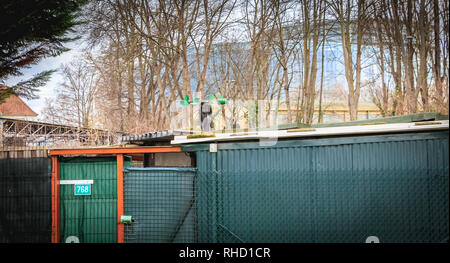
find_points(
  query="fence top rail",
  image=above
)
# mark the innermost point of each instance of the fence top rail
(161, 169)
(127, 150)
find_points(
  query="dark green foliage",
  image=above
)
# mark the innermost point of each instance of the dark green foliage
(5, 93)
(31, 30)
(28, 87)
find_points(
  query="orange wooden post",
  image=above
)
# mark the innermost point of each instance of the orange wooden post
(55, 200)
(120, 209)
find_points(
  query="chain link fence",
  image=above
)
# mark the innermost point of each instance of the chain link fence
(394, 188)
(162, 204)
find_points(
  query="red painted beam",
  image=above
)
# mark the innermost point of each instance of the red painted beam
(115, 150)
(55, 200)
(120, 209)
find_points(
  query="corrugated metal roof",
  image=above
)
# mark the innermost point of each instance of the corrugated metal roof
(156, 136)
(318, 132)
(179, 134)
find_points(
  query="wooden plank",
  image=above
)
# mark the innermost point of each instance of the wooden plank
(120, 208)
(55, 200)
(115, 150)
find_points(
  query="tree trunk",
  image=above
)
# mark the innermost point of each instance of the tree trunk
(437, 57)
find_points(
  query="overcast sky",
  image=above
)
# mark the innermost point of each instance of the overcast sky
(47, 64)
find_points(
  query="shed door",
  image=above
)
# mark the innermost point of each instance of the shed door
(88, 218)
(162, 204)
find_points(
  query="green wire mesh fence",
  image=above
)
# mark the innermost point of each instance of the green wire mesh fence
(162, 204)
(393, 187)
(25, 200)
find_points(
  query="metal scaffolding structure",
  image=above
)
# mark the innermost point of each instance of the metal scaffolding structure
(26, 133)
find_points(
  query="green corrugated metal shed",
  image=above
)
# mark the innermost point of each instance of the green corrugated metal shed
(335, 189)
(91, 219)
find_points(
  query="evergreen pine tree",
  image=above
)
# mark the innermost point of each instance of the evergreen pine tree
(31, 30)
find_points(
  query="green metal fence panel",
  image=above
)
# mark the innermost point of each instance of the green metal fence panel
(25, 200)
(89, 218)
(394, 187)
(162, 204)
(206, 197)
(253, 194)
(438, 171)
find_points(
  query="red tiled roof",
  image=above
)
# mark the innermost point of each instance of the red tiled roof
(14, 106)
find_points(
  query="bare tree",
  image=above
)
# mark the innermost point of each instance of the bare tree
(312, 30)
(150, 54)
(284, 44)
(212, 20)
(350, 14)
(440, 34)
(410, 33)
(74, 103)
